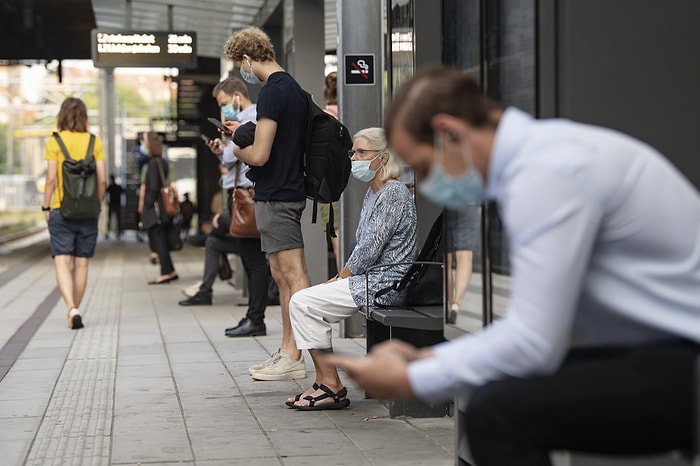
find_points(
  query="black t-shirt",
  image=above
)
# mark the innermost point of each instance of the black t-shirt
(115, 195)
(282, 177)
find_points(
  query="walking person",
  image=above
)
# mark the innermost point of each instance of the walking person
(72, 240)
(276, 161)
(155, 221)
(114, 206)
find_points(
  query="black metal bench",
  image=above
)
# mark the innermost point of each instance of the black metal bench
(420, 326)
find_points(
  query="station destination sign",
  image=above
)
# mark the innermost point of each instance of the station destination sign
(166, 49)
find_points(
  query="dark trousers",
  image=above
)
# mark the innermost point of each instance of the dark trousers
(158, 241)
(114, 211)
(614, 400)
(258, 273)
(256, 268)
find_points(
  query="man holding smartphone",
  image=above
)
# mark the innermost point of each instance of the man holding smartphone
(280, 196)
(232, 97)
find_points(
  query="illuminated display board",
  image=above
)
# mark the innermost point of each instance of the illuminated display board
(144, 48)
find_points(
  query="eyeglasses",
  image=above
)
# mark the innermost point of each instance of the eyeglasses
(361, 152)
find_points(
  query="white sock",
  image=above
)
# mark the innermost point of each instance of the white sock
(74, 312)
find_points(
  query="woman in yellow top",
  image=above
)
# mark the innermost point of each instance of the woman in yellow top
(71, 240)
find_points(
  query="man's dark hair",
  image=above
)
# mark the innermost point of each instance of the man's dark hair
(434, 90)
(229, 86)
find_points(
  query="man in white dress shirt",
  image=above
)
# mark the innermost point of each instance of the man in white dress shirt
(603, 243)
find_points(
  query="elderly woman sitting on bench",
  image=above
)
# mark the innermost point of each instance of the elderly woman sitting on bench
(386, 234)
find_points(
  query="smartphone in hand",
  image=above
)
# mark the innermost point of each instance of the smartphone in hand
(205, 138)
(220, 125)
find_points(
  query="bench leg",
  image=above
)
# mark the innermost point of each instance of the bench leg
(377, 333)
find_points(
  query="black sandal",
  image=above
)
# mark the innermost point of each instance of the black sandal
(337, 402)
(298, 397)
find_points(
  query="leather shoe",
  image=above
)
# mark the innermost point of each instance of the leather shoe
(246, 328)
(198, 299)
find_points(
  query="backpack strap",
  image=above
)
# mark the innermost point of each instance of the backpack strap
(88, 154)
(161, 172)
(91, 145)
(62, 145)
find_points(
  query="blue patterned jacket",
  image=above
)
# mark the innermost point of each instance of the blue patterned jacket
(386, 233)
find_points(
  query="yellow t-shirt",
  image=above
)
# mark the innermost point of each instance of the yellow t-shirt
(77, 144)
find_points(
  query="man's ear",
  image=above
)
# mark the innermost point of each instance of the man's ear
(443, 123)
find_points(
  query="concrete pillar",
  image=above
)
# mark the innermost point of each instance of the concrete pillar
(360, 25)
(107, 117)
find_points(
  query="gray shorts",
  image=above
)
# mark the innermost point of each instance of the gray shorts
(279, 224)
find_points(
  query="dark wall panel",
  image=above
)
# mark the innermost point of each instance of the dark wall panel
(633, 65)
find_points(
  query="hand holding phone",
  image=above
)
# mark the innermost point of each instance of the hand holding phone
(205, 138)
(220, 125)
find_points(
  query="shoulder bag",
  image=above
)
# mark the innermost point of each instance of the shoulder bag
(243, 223)
(171, 204)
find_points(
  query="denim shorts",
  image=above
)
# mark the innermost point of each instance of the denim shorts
(72, 237)
(279, 224)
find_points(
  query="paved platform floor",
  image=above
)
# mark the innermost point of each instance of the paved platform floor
(150, 382)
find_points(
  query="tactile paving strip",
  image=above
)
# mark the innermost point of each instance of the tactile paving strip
(76, 427)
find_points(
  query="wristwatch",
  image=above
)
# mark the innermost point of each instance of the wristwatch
(45, 209)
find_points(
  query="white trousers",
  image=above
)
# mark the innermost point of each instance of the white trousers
(313, 310)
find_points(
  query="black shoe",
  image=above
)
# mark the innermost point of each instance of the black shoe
(197, 300)
(246, 328)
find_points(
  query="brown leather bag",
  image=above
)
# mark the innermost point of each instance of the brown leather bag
(171, 203)
(243, 223)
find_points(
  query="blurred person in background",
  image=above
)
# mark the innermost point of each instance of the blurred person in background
(153, 216)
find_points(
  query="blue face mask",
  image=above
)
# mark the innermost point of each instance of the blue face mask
(361, 170)
(249, 76)
(143, 150)
(453, 192)
(229, 112)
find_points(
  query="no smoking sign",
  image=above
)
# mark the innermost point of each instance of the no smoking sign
(359, 69)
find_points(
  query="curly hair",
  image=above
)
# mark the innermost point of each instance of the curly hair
(72, 116)
(251, 41)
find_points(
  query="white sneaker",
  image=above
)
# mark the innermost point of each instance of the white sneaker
(191, 290)
(270, 360)
(282, 368)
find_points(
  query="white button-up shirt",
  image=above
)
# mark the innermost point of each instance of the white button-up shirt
(228, 158)
(603, 240)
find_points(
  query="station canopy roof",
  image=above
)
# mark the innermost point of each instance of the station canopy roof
(51, 29)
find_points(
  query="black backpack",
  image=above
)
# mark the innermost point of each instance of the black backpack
(424, 278)
(80, 198)
(326, 162)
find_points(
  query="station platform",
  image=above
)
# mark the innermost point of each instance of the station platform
(150, 382)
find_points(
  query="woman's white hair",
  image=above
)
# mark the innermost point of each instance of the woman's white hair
(393, 167)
